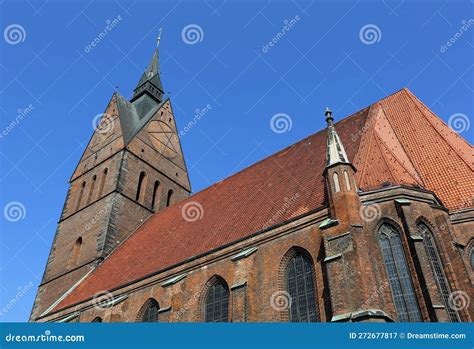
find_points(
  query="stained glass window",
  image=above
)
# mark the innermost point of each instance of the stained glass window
(398, 273)
(300, 286)
(217, 303)
(437, 268)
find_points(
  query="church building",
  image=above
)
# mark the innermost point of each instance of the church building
(370, 219)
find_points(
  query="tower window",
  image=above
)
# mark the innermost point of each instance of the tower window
(398, 273)
(102, 182)
(346, 178)
(97, 319)
(169, 198)
(437, 268)
(91, 190)
(217, 302)
(335, 177)
(141, 184)
(155, 201)
(75, 253)
(149, 311)
(300, 286)
(81, 193)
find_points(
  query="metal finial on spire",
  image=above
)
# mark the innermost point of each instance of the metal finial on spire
(159, 37)
(329, 118)
(150, 81)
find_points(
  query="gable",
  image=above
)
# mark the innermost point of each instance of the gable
(157, 142)
(105, 141)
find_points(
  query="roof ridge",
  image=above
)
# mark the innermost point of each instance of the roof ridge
(381, 147)
(367, 141)
(418, 173)
(419, 182)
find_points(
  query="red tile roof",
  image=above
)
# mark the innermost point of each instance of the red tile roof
(397, 139)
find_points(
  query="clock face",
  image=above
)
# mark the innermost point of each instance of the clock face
(163, 139)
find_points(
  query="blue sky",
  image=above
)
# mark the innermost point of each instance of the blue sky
(345, 55)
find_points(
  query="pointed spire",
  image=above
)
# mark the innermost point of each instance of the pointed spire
(150, 82)
(335, 152)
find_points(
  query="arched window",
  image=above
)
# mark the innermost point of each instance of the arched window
(81, 193)
(91, 190)
(141, 184)
(398, 273)
(75, 253)
(149, 311)
(217, 302)
(102, 182)
(155, 200)
(300, 286)
(335, 177)
(437, 268)
(170, 196)
(346, 179)
(97, 319)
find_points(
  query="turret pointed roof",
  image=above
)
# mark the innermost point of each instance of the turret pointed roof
(150, 82)
(335, 152)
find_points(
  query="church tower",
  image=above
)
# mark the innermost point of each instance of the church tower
(132, 167)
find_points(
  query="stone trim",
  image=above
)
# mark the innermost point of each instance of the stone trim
(173, 280)
(244, 254)
(333, 257)
(328, 222)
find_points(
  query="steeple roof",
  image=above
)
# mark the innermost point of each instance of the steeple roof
(335, 152)
(150, 82)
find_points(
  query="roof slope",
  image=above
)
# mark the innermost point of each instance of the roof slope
(396, 139)
(406, 143)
